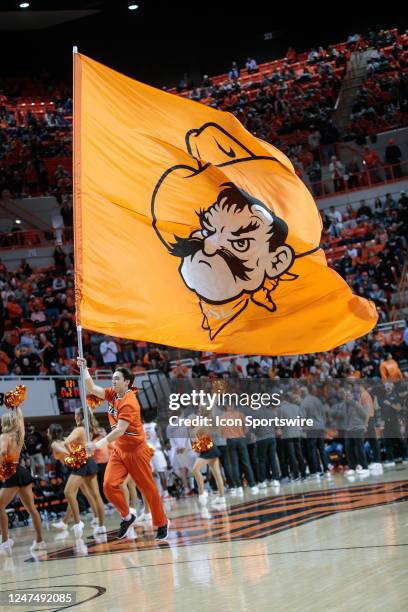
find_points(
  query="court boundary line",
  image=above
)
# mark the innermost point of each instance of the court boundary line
(221, 558)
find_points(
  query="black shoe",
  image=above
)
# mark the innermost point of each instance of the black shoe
(124, 526)
(163, 532)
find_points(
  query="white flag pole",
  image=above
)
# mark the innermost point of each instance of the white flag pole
(82, 387)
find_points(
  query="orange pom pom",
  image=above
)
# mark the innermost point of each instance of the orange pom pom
(7, 469)
(77, 457)
(151, 449)
(93, 401)
(219, 385)
(14, 399)
(202, 444)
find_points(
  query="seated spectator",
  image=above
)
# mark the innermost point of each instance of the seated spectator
(251, 66)
(180, 371)
(234, 72)
(198, 370)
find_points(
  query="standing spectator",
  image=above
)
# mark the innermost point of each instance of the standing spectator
(314, 409)
(33, 443)
(68, 339)
(336, 173)
(391, 408)
(291, 436)
(59, 259)
(233, 74)
(371, 161)
(238, 451)
(109, 351)
(314, 143)
(266, 448)
(353, 172)
(389, 369)
(393, 157)
(355, 420)
(367, 401)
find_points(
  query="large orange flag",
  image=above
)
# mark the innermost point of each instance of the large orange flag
(191, 232)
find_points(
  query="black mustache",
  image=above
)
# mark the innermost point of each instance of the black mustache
(188, 247)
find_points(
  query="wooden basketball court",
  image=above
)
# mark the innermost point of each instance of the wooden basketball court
(331, 545)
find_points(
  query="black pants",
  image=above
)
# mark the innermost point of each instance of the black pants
(253, 457)
(283, 457)
(295, 456)
(355, 449)
(100, 477)
(371, 437)
(315, 452)
(239, 453)
(395, 448)
(267, 459)
(226, 464)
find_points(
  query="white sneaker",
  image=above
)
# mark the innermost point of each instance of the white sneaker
(7, 545)
(262, 485)
(233, 492)
(60, 525)
(99, 531)
(254, 490)
(145, 517)
(240, 492)
(202, 499)
(350, 473)
(362, 472)
(78, 530)
(314, 476)
(389, 464)
(328, 474)
(38, 545)
(131, 534)
(219, 502)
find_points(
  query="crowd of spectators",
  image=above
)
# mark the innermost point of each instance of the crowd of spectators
(288, 102)
(367, 246)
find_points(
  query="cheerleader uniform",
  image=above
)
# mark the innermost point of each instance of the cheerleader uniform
(87, 469)
(211, 453)
(21, 478)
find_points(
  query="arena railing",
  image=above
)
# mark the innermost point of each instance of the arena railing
(371, 177)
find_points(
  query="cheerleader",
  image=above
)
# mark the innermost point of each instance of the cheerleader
(20, 480)
(86, 475)
(208, 456)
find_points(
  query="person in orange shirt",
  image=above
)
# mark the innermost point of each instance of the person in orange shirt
(130, 455)
(389, 369)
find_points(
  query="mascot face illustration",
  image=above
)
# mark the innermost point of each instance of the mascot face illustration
(235, 250)
(240, 243)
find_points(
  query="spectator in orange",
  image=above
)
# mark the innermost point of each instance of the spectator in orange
(389, 369)
(14, 311)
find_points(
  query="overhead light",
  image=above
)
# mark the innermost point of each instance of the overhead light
(18, 221)
(132, 6)
(24, 5)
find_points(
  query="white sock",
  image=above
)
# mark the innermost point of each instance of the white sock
(127, 517)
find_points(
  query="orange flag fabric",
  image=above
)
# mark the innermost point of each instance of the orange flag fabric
(193, 233)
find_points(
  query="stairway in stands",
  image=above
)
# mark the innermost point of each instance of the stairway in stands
(355, 76)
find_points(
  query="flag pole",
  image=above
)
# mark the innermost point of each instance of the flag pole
(75, 160)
